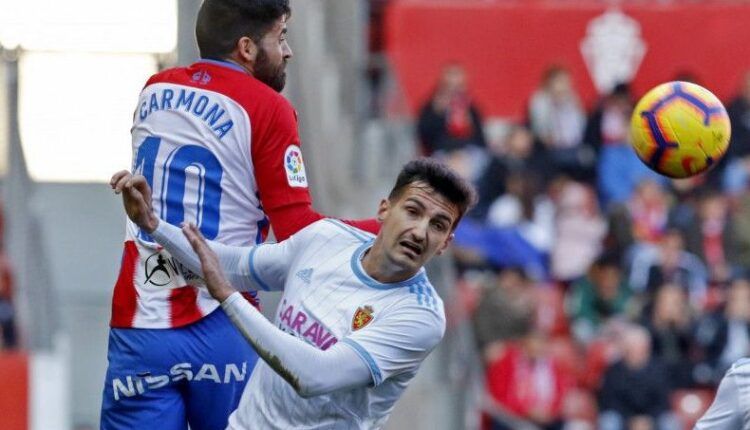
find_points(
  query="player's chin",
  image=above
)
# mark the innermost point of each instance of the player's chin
(409, 260)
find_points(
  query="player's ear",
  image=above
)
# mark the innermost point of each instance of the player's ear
(445, 244)
(383, 208)
(247, 50)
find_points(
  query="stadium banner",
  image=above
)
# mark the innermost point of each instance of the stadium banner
(507, 45)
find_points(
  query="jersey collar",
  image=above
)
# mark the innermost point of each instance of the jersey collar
(223, 63)
(366, 279)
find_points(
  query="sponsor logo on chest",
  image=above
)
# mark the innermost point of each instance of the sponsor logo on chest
(301, 324)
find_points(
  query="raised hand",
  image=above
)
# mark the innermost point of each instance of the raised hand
(136, 197)
(216, 282)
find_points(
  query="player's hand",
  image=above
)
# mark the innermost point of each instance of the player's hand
(136, 197)
(216, 282)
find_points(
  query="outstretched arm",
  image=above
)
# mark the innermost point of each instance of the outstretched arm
(136, 197)
(307, 369)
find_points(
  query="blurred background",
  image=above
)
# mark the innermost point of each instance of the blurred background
(583, 292)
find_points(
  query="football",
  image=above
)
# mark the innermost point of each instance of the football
(680, 129)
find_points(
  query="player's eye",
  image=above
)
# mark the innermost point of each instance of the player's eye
(439, 226)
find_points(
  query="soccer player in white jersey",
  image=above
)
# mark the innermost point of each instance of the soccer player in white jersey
(360, 310)
(731, 407)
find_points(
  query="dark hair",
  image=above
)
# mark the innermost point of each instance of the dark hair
(441, 179)
(221, 23)
(608, 259)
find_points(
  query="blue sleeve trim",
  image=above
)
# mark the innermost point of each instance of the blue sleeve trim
(377, 377)
(254, 273)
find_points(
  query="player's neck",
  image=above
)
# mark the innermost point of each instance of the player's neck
(377, 266)
(234, 60)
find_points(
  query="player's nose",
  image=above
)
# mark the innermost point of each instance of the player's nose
(287, 52)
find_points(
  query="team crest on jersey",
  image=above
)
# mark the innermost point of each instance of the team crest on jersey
(362, 317)
(294, 167)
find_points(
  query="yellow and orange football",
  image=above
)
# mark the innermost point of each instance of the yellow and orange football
(680, 129)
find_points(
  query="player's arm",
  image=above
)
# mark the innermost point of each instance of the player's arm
(310, 371)
(724, 413)
(247, 268)
(282, 182)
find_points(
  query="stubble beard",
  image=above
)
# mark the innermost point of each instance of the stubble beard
(268, 73)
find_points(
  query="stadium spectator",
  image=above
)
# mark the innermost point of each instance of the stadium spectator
(8, 336)
(708, 235)
(526, 383)
(735, 167)
(579, 231)
(601, 295)
(725, 336)
(376, 62)
(514, 153)
(607, 131)
(739, 224)
(450, 120)
(223, 123)
(557, 119)
(506, 309)
(527, 210)
(641, 220)
(635, 390)
(671, 326)
(668, 263)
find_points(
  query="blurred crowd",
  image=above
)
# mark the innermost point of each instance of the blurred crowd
(8, 338)
(600, 294)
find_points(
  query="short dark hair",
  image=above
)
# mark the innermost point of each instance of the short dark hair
(221, 23)
(440, 178)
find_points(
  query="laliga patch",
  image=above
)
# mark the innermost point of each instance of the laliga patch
(362, 317)
(294, 167)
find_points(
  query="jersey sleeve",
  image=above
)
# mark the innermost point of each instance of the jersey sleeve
(279, 167)
(398, 342)
(269, 263)
(724, 412)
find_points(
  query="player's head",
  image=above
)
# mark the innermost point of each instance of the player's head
(421, 212)
(249, 32)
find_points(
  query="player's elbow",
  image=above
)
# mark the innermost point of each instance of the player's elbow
(306, 392)
(311, 388)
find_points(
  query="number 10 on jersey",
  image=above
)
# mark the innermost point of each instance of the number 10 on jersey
(186, 163)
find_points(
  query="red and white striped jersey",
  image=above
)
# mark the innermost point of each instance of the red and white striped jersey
(217, 146)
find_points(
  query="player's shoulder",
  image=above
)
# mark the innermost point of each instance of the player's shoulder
(332, 227)
(228, 79)
(741, 366)
(171, 75)
(422, 295)
(419, 300)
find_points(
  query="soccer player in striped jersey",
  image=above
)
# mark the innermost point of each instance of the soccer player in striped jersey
(219, 146)
(358, 314)
(731, 407)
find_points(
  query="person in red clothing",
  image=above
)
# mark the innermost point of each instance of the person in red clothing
(526, 386)
(8, 337)
(220, 148)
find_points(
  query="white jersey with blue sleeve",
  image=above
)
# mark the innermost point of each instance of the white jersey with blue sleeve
(329, 299)
(731, 407)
